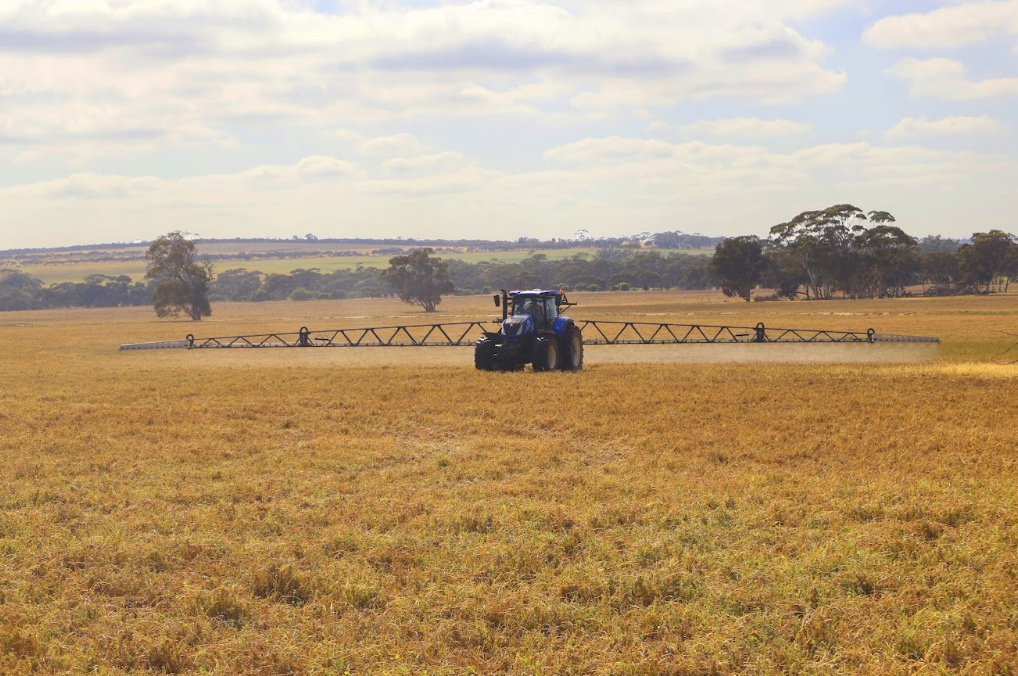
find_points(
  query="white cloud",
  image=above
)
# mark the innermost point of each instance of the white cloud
(613, 149)
(924, 126)
(87, 186)
(141, 75)
(961, 24)
(318, 168)
(447, 161)
(737, 128)
(947, 79)
(699, 170)
(601, 183)
(390, 146)
(180, 82)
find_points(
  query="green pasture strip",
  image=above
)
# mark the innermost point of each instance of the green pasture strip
(77, 272)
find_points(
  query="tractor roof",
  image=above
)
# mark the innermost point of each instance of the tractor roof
(534, 292)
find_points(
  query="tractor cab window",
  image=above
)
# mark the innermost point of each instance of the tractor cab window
(523, 306)
(543, 310)
(550, 310)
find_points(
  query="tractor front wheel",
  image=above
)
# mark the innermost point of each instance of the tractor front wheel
(484, 354)
(546, 355)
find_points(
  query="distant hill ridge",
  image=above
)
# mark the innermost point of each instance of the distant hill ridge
(662, 240)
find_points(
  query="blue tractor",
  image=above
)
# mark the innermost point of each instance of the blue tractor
(534, 331)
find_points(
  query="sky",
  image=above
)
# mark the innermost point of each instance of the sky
(121, 120)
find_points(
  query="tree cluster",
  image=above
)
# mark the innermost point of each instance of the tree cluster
(610, 269)
(845, 251)
(19, 291)
(819, 253)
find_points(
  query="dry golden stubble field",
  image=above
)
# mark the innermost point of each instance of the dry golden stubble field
(394, 511)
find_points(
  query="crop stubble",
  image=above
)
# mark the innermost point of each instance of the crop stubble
(322, 511)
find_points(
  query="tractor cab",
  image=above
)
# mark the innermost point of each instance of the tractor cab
(536, 311)
(539, 306)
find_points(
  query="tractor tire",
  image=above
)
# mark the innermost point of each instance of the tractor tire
(546, 355)
(484, 354)
(572, 350)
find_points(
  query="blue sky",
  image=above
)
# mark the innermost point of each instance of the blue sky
(123, 119)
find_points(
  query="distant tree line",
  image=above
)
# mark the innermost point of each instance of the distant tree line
(19, 291)
(835, 252)
(611, 268)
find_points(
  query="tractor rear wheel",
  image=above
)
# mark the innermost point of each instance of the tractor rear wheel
(546, 355)
(484, 354)
(572, 350)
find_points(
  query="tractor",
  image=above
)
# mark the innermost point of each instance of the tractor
(533, 331)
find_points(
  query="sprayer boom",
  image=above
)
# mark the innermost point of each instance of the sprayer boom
(466, 334)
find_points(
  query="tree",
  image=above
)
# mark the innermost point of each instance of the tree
(940, 268)
(183, 281)
(987, 260)
(785, 274)
(1011, 269)
(18, 291)
(889, 257)
(668, 240)
(419, 279)
(832, 250)
(237, 285)
(937, 244)
(698, 275)
(610, 252)
(821, 242)
(740, 263)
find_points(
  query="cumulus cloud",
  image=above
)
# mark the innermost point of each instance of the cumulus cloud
(87, 186)
(948, 79)
(598, 181)
(179, 71)
(446, 161)
(388, 146)
(612, 149)
(924, 126)
(957, 25)
(738, 128)
(318, 168)
(183, 81)
(715, 170)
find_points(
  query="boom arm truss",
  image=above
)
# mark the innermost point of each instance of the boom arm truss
(464, 334)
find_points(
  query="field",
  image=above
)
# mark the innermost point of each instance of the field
(77, 271)
(664, 512)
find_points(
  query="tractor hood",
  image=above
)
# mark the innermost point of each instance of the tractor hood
(518, 326)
